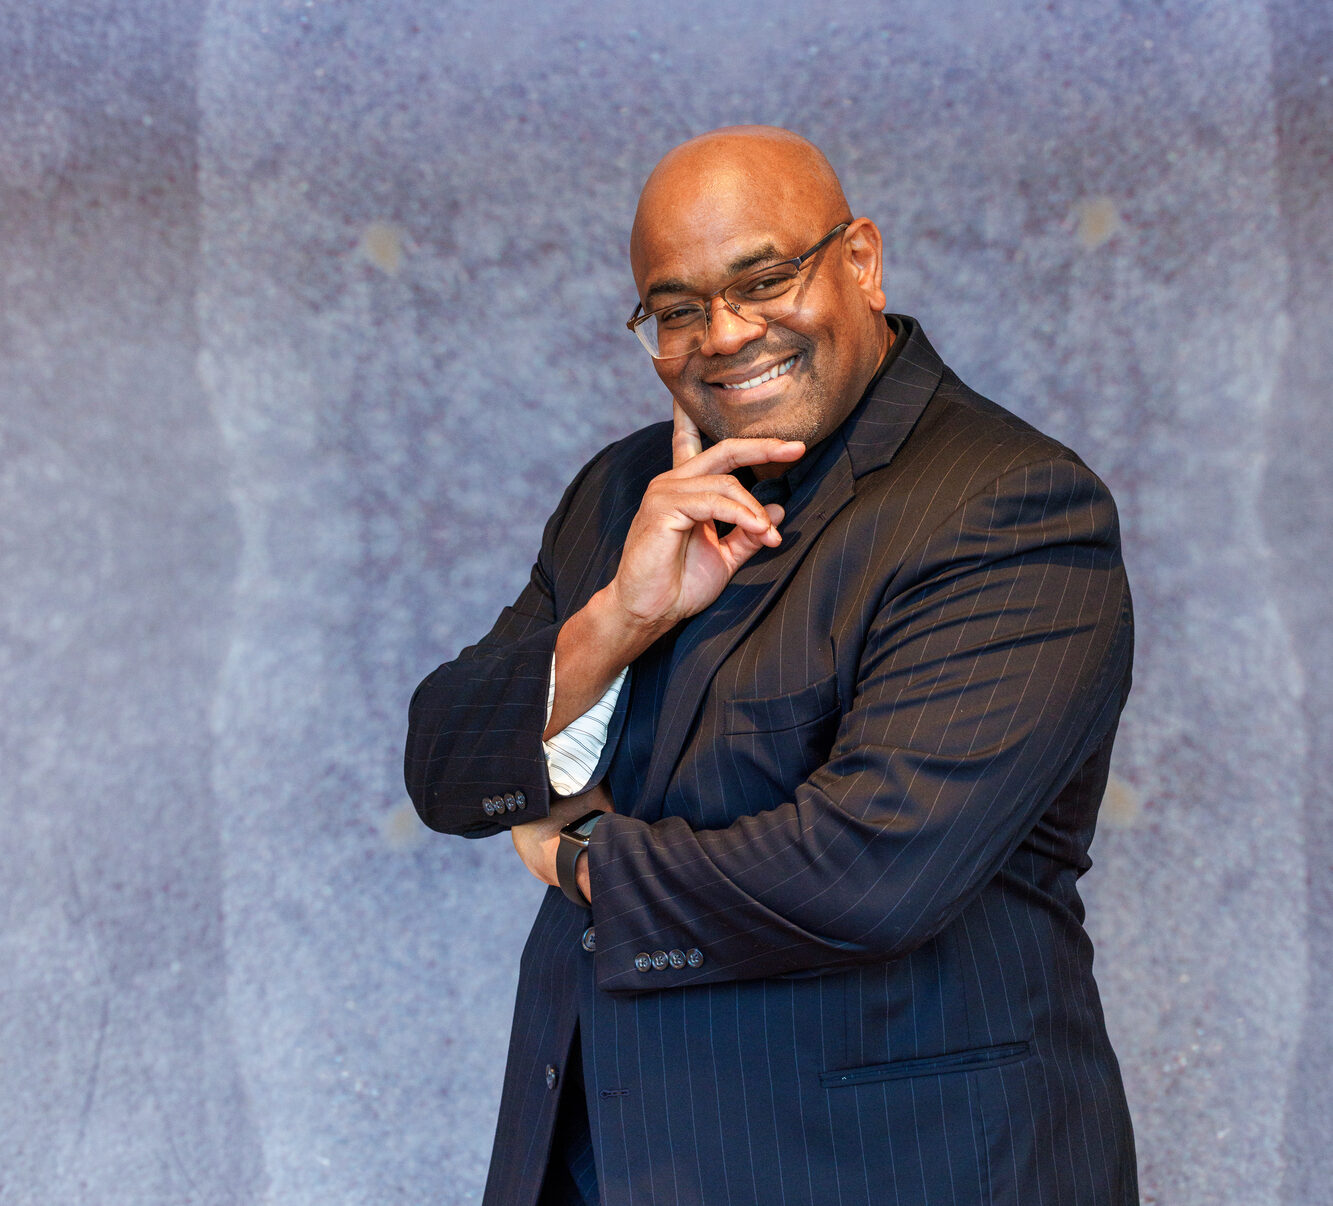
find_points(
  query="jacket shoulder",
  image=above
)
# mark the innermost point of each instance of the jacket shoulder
(625, 465)
(963, 441)
(999, 434)
(971, 465)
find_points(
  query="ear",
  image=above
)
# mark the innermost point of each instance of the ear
(863, 251)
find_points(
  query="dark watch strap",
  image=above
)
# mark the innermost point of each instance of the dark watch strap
(573, 842)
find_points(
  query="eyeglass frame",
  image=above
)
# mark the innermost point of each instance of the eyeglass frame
(638, 318)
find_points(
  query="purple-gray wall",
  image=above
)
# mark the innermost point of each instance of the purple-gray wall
(310, 309)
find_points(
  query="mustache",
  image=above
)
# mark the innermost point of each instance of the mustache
(754, 355)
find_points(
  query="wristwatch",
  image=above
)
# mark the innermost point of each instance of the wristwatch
(573, 842)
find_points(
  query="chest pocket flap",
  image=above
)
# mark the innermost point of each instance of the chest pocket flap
(780, 713)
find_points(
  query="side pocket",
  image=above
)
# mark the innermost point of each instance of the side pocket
(930, 1065)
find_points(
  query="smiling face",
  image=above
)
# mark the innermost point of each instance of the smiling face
(721, 206)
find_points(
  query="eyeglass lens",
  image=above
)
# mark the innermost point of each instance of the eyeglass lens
(766, 295)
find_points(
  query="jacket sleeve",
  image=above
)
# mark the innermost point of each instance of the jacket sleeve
(994, 668)
(474, 763)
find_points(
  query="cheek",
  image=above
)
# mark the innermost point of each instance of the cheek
(684, 385)
(675, 377)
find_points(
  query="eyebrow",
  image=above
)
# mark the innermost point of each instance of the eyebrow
(752, 258)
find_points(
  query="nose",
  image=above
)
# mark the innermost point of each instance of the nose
(729, 331)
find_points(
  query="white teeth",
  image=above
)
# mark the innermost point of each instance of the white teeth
(776, 371)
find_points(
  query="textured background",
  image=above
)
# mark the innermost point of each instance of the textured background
(282, 411)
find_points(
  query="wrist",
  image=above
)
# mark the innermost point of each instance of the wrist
(573, 845)
(621, 628)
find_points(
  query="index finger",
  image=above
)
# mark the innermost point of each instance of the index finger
(732, 453)
(685, 441)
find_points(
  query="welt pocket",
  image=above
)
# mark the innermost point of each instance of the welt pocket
(930, 1065)
(776, 713)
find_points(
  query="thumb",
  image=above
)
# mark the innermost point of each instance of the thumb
(738, 546)
(685, 441)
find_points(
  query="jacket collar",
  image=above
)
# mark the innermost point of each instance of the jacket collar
(894, 400)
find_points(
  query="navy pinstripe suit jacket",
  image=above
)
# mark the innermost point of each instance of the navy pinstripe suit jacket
(876, 771)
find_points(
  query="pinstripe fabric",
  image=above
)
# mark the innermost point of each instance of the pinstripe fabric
(872, 783)
(571, 1170)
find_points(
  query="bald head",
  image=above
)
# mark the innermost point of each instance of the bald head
(739, 163)
(716, 211)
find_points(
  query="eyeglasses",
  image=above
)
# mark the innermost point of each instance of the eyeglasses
(764, 295)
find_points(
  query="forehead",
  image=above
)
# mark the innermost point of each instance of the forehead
(701, 236)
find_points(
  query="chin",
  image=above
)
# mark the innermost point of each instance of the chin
(803, 418)
(805, 424)
(808, 431)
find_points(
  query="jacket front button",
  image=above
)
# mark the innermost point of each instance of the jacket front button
(642, 962)
(552, 1076)
(659, 959)
(694, 957)
(589, 939)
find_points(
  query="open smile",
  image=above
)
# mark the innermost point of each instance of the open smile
(778, 370)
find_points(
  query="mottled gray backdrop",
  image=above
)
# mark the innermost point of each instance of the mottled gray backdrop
(310, 309)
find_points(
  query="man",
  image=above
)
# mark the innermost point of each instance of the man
(827, 948)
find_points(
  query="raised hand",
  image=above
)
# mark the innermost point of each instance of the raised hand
(674, 563)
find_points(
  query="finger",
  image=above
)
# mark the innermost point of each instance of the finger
(685, 441)
(701, 507)
(738, 546)
(671, 489)
(732, 454)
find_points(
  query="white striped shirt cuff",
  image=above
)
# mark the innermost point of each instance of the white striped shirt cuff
(573, 753)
